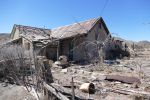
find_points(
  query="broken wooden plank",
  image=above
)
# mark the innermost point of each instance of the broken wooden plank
(57, 93)
(68, 92)
(124, 79)
(130, 92)
(69, 86)
(72, 88)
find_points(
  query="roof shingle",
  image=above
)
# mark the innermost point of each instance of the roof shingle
(73, 30)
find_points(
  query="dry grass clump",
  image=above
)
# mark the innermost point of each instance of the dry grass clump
(13, 64)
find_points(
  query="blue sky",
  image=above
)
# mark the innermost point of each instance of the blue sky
(129, 19)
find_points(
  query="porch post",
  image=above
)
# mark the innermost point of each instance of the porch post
(58, 46)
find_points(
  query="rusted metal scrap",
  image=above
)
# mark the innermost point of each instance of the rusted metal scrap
(88, 88)
(123, 79)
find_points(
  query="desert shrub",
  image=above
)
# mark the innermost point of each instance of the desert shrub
(13, 63)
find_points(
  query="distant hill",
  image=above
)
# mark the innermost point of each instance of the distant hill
(128, 42)
(145, 44)
(4, 37)
(140, 44)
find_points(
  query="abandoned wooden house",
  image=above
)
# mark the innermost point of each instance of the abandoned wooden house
(78, 41)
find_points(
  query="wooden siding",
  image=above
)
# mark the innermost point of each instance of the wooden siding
(97, 33)
(79, 52)
(16, 34)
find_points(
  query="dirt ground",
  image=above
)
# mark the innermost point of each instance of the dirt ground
(137, 66)
(14, 92)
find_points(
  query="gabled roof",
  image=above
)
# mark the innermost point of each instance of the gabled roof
(74, 29)
(32, 33)
(35, 34)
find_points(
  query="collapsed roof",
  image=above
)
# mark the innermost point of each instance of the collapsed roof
(33, 33)
(41, 34)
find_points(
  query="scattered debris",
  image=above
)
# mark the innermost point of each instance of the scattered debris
(124, 79)
(64, 70)
(147, 89)
(57, 93)
(88, 88)
(63, 58)
(51, 62)
(62, 62)
(111, 62)
(60, 92)
(135, 85)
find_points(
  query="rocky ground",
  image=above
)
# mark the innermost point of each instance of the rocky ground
(138, 66)
(14, 92)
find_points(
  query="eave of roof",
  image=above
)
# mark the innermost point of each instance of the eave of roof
(72, 30)
(32, 33)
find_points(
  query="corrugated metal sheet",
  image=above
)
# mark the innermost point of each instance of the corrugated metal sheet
(73, 30)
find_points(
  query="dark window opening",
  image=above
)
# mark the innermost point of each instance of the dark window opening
(71, 46)
(96, 36)
(100, 25)
(27, 46)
